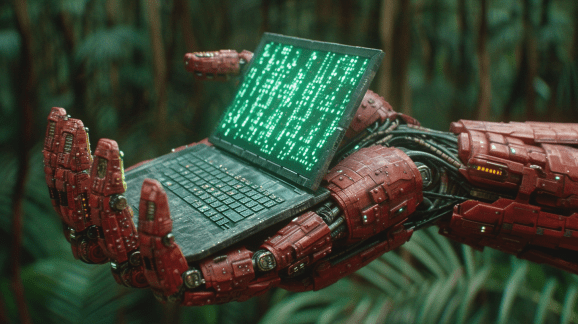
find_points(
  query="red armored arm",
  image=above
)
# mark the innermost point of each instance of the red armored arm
(533, 176)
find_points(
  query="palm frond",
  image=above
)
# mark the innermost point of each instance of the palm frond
(400, 287)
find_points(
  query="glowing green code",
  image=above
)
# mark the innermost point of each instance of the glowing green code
(290, 103)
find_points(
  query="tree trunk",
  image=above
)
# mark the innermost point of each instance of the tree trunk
(404, 45)
(26, 97)
(386, 29)
(530, 48)
(159, 68)
(485, 92)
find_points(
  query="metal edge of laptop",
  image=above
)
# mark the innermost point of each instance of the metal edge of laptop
(375, 57)
(313, 197)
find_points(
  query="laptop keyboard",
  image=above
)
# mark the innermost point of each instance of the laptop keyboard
(220, 195)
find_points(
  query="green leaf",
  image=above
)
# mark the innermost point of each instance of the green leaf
(512, 287)
(545, 300)
(569, 305)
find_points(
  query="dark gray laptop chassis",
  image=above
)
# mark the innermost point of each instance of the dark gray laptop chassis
(196, 234)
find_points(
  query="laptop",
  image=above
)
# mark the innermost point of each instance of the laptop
(271, 148)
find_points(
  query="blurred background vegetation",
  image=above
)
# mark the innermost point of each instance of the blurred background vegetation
(117, 65)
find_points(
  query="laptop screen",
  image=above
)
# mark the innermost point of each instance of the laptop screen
(295, 103)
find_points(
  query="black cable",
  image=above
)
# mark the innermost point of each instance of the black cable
(403, 131)
(351, 147)
(431, 156)
(429, 193)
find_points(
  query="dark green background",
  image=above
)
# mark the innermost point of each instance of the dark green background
(117, 65)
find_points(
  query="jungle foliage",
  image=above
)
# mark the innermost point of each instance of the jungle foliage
(117, 65)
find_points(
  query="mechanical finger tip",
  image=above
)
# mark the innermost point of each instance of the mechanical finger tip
(106, 147)
(188, 60)
(154, 218)
(107, 169)
(56, 112)
(151, 189)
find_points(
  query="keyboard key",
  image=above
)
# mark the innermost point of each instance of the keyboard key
(197, 203)
(279, 200)
(179, 179)
(257, 208)
(222, 221)
(188, 185)
(238, 196)
(263, 200)
(210, 200)
(204, 208)
(222, 208)
(247, 213)
(216, 204)
(181, 192)
(204, 196)
(221, 176)
(229, 201)
(250, 204)
(169, 173)
(245, 200)
(210, 213)
(257, 196)
(231, 182)
(269, 204)
(233, 216)
(193, 178)
(240, 209)
(244, 189)
(233, 205)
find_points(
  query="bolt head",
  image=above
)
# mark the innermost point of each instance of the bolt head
(168, 240)
(135, 258)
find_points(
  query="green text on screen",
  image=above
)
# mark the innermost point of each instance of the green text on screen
(290, 104)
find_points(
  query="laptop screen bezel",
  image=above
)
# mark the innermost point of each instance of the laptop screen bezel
(375, 57)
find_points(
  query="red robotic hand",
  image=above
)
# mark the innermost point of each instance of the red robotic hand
(86, 192)
(373, 192)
